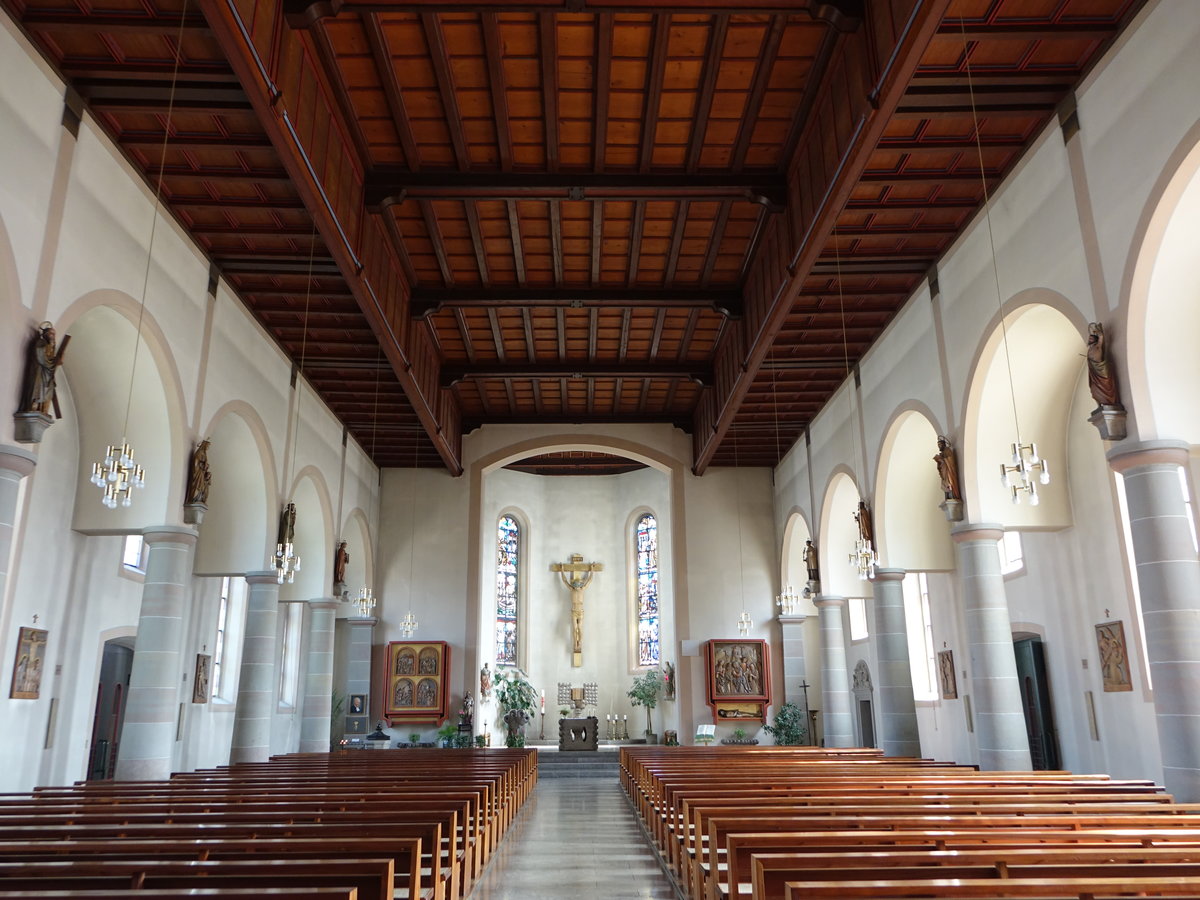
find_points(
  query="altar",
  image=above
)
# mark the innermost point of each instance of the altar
(578, 734)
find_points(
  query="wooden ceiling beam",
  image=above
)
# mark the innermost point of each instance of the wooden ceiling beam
(597, 238)
(714, 244)
(113, 23)
(464, 332)
(130, 138)
(384, 186)
(699, 372)
(712, 66)
(439, 55)
(680, 421)
(185, 201)
(604, 31)
(556, 252)
(382, 56)
(252, 230)
(560, 324)
(514, 234)
(660, 30)
(527, 327)
(635, 241)
(877, 206)
(328, 62)
(548, 33)
(1026, 31)
(497, 334)
(435, 238)
(260, 263)
(681, 214)
(216, 97)
(298, 295)
(477, 243)
(685, 343)
(494, 52)
(844, 15)
(762, 76)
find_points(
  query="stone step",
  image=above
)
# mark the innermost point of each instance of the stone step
(578, 764)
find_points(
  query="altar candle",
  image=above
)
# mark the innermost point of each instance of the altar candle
(543, 700)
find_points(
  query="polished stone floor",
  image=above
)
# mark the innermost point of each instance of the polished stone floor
(575, 837)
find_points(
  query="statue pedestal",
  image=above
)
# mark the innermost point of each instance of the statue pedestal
(1109, 421)
(193, 513)
(28, 427)
(953, 509)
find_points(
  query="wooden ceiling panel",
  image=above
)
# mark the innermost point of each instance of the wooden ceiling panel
(482, 90)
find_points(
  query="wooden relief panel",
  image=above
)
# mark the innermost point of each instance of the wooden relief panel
(416, 684)
(739, 679)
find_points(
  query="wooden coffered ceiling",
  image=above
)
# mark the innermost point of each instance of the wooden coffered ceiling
(685, 211)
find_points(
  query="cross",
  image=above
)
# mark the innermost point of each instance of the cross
(576, 575)
(35, 618)
(804, 686)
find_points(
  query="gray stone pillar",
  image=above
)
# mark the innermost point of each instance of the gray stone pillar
(151, 712)
(318, 678)
(898, 733)
(795, 667)
(1168, 575)
(257, 684)
(999, 716)
(358, 662)
(15, 464)
(838, 727)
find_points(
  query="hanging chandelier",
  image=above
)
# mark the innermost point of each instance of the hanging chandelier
(1025, 472)
(788, 601)
(408, 625)
(118, 475)
(285, 562)
(366, 602)
(744, 623)
(864, 558)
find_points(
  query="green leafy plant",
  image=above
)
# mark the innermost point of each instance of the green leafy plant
(645, 692)
(447, 733)
(739, 734)
(414, 738)
(562, 712)
(481, 741)
(517, 700)
(790, 728)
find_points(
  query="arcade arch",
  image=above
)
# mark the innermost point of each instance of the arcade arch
(314, 538)
(911, 531)
(839, 531)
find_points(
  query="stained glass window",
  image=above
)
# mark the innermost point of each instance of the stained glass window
(508, 553)
(646, 538)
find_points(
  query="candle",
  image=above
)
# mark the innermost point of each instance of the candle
(543, 702)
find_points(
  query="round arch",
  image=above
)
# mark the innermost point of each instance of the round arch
(1161, 312)
(237, 534)
(356, 532)
(910, 530)
(100, 321)
(793, 570)
(839, 531)
(314, 537)
(1045, 345)
(12, 341)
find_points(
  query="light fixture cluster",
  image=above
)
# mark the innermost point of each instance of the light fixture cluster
(366, 601)
(408, 625)
(285, 562)
(788, 601)
(1019, 477)
(118, 475)
(864, 559)
(744, 623)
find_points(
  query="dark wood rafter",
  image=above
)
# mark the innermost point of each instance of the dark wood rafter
(464, 332)
(548, 34)
(714, 246)
(497, 335)
(762, 75)
(556, 240)
(560, 326)
(593, 333)
(604, 30)
(496, 86)
(325, 53)
(597, 240)
(435, 238)
(677, 233)
(685, 342)
(439, 54)
(655, 72)
(477, 243)
(382, 56)
(623, 347)
(514, 234)
(527, 326)
(712, 67)
(635, 241)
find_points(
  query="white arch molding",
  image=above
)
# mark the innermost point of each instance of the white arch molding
(911, 531)
(792, 568)
(314, 537)
(839, 531)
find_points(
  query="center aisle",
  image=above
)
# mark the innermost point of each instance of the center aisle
(575, 838)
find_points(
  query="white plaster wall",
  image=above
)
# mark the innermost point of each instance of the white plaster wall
(79, 224)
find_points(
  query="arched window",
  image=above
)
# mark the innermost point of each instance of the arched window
(508, 555)
(646, 545)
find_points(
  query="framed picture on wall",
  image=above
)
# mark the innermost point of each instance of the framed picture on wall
(416, 684)
(1114, 656)
(739, 679)
(201, 678)
(28, 664)
(946, 680)
(358, 705)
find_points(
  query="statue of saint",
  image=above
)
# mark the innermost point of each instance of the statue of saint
(485, 682)
(947, 468)
(468, 707)
(200, 478)
(341, 556)
(41, 365)
(668, 681)
(1102, 379)
(863, 518)
(287, 525)
(810, 562)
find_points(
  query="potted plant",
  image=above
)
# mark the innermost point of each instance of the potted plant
(645, 691)
(739, 736)
(415, 738)
(790, 728)
(517, 700)
(447, 733)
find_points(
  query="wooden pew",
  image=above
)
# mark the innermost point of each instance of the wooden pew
(961, 888)
(287, 893)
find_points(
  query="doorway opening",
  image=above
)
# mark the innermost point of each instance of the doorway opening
(1035, 702)
(111, 693)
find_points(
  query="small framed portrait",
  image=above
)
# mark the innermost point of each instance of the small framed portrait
(1114, 656)
(358, 705)
(356, 724)
(28, 664)
(200, 683)
(946, 680)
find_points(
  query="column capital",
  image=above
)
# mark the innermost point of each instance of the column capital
(361, 620)
(793, 619)
(1131, 454)
(323, 603)
(262, 577)
(976, 531)
(169, 534)
(17, 459)
(891, 574)
(822, 600)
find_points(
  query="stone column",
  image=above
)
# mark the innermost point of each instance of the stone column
(152, 708)
(999, 715)
(318, 678)
(835, 683)
(358, 663)
(256, 686)
(15, 464)
(898, 733)
(1168, 575)
(795, 668)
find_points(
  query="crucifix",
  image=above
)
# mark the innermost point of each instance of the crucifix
(576, 575)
